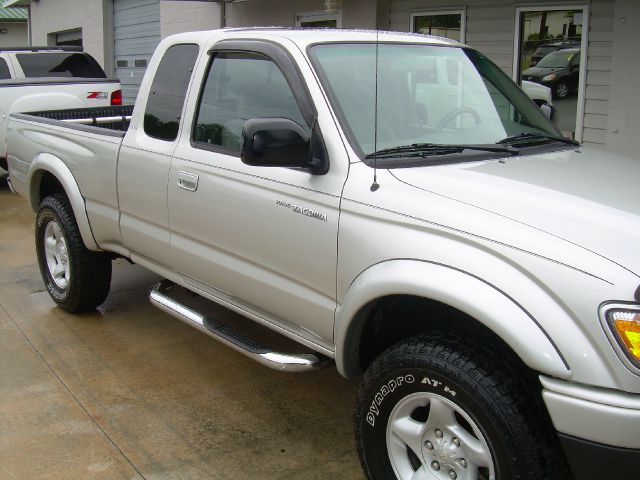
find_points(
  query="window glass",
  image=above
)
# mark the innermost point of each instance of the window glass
(329, 23)
(239, 87)
(4, 70)
(441, 25)
(168, 92)
(424, 94)
(59, 65)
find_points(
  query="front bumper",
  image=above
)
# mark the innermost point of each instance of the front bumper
(590, 460)
(599, 429)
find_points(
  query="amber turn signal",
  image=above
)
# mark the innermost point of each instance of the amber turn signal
(626, 326)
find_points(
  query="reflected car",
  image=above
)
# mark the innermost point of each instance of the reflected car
(538, 93)
(544, 50)
(559, 70)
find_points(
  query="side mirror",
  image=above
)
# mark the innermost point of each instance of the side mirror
(548, 111)
(275, 142)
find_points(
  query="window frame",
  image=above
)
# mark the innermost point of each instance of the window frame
(432, 13)
(289, 69)
(584, 52)
(318, 16)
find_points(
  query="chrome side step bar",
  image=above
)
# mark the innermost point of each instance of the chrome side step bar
(10, 185)
(160, 296)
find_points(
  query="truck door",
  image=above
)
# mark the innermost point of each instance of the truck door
(145, 157)
(260, 239)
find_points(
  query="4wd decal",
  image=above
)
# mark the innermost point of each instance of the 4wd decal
(385, 390)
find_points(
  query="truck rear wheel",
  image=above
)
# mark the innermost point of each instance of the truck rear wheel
(443, 407)
(76, 278)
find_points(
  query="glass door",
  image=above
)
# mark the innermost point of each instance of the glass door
(549, 54)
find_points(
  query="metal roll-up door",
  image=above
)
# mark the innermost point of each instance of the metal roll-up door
(136, 25)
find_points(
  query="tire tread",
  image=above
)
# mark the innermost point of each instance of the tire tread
(90, 271)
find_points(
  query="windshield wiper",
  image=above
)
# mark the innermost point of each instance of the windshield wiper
(425, 149)
(535, 136)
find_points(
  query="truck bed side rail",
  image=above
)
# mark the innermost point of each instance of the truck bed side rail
(114, 117)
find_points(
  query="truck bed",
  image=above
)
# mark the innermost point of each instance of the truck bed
(85, 141)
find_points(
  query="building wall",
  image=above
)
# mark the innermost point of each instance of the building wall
(92, 16)
(17, 34)
(181, 16)
(60, 15)
(622, 130)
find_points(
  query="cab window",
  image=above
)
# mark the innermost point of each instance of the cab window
(168, 92)
(240, 86)
(4, 70)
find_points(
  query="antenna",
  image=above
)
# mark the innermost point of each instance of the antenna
(375, 186)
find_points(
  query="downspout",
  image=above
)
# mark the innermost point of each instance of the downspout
(29, 25)
(223, 14)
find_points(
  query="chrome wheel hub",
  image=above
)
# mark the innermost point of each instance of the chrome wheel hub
(56, 255)
(430, 437)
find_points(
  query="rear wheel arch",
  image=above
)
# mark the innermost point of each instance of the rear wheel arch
(49, 175)
(453, 301)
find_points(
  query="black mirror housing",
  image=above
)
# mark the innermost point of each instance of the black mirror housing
(275, 142)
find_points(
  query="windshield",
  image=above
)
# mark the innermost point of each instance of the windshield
(59, 65)
(425, 94)
(559, 59)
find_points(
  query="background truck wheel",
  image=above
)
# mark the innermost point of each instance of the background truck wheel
(76, 278)
(443, 407)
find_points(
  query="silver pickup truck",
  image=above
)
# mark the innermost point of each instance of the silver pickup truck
(391, 202)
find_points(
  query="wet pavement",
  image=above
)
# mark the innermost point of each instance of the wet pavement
(129, 392)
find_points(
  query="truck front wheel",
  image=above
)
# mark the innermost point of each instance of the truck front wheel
(444, 407)
(76, 278)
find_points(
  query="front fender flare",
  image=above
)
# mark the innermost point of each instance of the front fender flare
(461, 290)
(45, 162)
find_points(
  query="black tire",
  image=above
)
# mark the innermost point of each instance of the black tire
(561, 90)
(484, 396)
(89, 272)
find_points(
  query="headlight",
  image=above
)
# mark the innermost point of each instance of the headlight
(549, 78)
(625, 326)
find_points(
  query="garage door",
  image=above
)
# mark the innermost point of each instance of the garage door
(136, 25)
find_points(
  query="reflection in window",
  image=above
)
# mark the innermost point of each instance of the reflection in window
(239, 87)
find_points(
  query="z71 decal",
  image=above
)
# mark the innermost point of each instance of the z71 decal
(98, 95)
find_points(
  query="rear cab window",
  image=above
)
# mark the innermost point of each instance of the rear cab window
(5, 74)
(59, 64)
(168, 92)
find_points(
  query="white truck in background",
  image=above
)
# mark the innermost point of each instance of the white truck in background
(47, 78)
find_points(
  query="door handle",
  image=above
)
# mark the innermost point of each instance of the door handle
(188, 181)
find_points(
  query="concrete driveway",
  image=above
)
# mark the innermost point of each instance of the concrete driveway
(129, 392)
